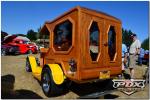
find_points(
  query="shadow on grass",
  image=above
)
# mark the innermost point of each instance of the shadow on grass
(126, 75)
(92, 89)
(8, 92)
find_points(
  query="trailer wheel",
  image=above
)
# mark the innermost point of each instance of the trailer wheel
(48, 86)
(28, 66)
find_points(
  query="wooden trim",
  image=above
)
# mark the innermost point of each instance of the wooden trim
(79, 69)
(73, 36)
(99, 52)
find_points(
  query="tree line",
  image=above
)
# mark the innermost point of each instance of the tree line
(126, 39)
(33, 36)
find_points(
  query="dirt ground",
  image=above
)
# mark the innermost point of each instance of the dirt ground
(17, 83)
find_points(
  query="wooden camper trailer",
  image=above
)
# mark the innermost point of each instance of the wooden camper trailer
(84, 45)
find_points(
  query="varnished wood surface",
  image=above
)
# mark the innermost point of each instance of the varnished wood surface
(81, 19)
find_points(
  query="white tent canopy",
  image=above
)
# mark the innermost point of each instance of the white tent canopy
(22, 38)
(12, 37)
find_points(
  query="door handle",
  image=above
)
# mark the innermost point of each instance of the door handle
(105, 44)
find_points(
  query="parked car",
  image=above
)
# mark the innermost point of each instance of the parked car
(11, 45)
(6, 48)
(146, 57)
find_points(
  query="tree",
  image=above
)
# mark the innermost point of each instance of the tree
(38, 33)
(32, 35)
(18, 34)
(3, 34)
(145, 44)
(126, 37)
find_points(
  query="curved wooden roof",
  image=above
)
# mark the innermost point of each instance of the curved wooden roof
(86, 10)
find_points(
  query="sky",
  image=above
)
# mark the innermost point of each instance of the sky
(20, 16)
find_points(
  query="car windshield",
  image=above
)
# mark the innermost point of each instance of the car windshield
(25, 42)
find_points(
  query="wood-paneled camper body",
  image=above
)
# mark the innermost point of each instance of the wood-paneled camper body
(84, 45)
(90, 39)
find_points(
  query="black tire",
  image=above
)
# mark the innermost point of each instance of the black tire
(30, 52)
(49, 88)
(3, 52)
(28, 66)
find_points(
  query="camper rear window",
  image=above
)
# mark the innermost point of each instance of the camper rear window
(63, 36)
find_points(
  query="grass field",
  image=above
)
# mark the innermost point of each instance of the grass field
(17, 83)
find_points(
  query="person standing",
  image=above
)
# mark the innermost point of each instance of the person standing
(124, 56)
(133, 53)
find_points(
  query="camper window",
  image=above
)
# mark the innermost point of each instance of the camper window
(63, 36)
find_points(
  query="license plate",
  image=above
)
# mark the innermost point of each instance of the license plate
(104, 75)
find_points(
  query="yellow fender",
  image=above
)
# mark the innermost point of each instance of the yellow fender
(36, 70)
(57, 73)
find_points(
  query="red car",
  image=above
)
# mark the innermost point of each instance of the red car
(12, 45)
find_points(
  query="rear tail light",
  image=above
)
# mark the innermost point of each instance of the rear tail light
(73, 65)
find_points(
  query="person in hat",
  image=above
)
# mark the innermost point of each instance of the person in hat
(133, 53)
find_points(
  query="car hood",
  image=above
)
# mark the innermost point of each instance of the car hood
(9, 39)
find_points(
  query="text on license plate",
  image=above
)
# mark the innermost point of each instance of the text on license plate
(104, 75)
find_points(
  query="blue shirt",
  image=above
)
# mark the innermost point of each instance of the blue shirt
(146, 52)
(142, 53)
(124, 49)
